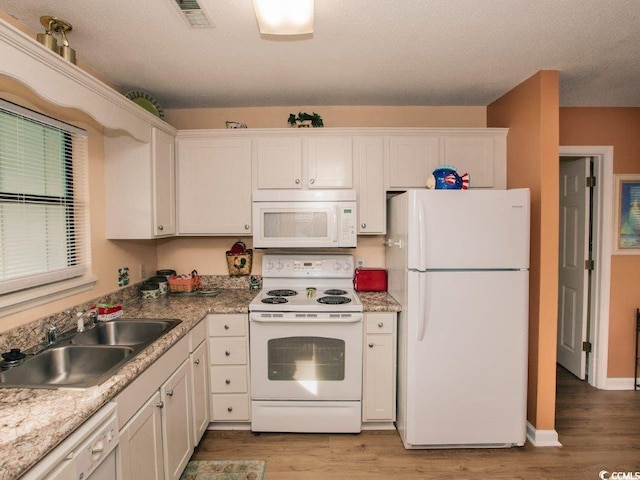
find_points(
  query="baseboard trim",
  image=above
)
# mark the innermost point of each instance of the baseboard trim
(619, 383)
(542, 438)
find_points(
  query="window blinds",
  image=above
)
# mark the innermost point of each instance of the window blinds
(44, 225)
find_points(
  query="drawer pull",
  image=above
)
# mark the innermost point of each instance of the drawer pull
(227, 353)
(229, 409)
(160, 404)
(226, 327)
(380, 324)
(169, 393)
(197, 361)
(228, 381)
(371, 345)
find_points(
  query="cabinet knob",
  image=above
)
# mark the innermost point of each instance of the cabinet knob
(380, 324)
(246, 227)
(371, 345)
(226, 327)
(227, 381)
(160, 404)
(197, 361)
(160, 227)
(169, 393)
(312, 181)
(229, 409)
(363, 225)
(297, 181)
(227, 353)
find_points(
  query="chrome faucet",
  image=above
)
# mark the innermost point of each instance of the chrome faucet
(51, 334)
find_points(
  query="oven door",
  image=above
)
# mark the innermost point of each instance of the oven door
(306, 356)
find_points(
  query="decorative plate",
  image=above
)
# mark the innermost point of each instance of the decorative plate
(146, 101)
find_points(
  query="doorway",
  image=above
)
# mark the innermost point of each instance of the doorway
(584, 315)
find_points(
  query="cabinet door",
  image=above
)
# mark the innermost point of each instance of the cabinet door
(140, 446)
(164, 187)
(214, 186)
(200, 391)
(278, 162)
(472, 154)
(379, 377)
(329, 162)
(176, 416)
(412, 158)
(372, 205)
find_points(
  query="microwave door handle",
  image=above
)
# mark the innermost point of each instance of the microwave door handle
(335, 223)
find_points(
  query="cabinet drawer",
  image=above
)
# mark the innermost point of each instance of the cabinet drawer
(228, 351)
(380, 322)
(227, 325)
(230, 407)
(229, 379)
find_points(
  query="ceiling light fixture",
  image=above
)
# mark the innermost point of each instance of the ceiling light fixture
(284, 17)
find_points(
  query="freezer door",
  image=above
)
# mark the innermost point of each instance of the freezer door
(456, 229)
(463, 357)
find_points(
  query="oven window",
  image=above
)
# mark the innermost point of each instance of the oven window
(306, 359)
(311, 224)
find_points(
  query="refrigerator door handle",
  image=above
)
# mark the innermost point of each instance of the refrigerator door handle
(422, 307)
(422, 237)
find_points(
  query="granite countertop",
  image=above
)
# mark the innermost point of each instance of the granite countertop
(34, 421)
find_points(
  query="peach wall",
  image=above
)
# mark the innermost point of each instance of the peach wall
(530, 111)
(106, 256)
(619, 127)
(332, 116)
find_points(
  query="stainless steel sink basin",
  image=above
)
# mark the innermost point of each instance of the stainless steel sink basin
(67, 366)
(87, 358)
(124, 332)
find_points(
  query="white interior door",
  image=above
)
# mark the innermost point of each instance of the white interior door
(573, 276)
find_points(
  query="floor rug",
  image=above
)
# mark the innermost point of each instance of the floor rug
(224, 470)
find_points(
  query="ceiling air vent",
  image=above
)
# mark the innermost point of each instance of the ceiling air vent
(193, 14)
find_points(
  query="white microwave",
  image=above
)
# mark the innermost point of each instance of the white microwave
(304, 218)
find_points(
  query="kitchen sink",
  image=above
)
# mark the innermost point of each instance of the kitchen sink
(124, 332)
(87, 358)
(67, 366)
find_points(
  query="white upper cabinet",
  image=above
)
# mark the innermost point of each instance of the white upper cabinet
(370, 154)
(329, 161)
(305, 162)
(214, 185)
(483, 157)
(278, 162)
(411, 159)
(140, 186)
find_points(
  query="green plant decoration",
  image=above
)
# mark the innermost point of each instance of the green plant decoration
(314, 119)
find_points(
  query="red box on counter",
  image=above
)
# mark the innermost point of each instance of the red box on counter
(370, 280)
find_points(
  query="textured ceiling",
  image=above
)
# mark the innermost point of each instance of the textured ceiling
(362, 52)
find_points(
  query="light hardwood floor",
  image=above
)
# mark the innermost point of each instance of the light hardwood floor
(599, 430)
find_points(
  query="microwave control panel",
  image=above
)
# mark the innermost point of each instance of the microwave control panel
(347, 226)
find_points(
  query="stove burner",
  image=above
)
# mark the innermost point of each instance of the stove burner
(335, 291)
(274, 300)
(333, 300)
(282, 293)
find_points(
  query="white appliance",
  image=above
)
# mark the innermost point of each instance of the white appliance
(89, 453)
(305, 334)
(304, 218)
(458, 263)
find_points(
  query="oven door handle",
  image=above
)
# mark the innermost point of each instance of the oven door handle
(307, 320)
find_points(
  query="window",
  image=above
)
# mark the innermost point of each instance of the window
(43, 200)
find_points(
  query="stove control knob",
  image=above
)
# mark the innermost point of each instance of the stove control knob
(337, 266)
(269, 265)
(279, 266)
(347, 265)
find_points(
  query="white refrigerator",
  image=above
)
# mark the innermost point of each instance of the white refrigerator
(458, 263)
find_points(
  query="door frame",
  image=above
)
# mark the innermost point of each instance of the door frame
(602, 250)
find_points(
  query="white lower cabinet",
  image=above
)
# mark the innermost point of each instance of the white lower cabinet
(229, 368)
(141, 443)
(379, 368)
(165, 411)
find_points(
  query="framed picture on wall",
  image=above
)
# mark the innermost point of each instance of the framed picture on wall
(627, 213)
